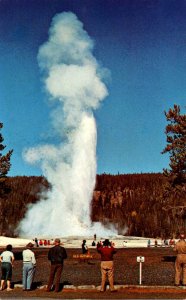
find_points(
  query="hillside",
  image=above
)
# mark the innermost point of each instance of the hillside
(132, 202)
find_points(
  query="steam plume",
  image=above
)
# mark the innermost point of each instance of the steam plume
(73, 79)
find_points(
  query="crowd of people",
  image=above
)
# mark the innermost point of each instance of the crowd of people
(163, 243)
(57, 254)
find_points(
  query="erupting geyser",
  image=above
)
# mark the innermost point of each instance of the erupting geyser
(73, 78)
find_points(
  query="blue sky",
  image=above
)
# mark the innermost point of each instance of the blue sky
(143, 45)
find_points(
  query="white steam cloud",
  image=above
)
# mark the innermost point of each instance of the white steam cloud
(73, 78)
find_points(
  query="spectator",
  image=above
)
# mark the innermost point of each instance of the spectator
(36, 242)
(107, 266)
(93, 243)
(171, 242)
(56, 255)
(7, 259)
(166, 242)
(180, 264)
(40, 243)
(99, 244)
(84, 247)
(29, 267)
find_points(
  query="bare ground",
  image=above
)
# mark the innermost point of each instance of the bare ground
(157, 273)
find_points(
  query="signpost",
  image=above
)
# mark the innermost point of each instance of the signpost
(140, 260)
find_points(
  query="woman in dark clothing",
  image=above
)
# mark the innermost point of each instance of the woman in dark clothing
(7, 259)
(84, 247)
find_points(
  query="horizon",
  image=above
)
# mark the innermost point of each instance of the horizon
(109, 174)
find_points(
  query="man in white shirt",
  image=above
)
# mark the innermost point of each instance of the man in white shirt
(29, 266)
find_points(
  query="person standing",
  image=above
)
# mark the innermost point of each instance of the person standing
(84, 247)
(56, 255)
(180, 264)
(29, 267)
(7, 259)
(36, 242)
(107, 266)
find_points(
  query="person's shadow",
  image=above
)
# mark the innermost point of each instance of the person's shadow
(35, 284)
(62, 284)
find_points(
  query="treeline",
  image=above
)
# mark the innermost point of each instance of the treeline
(16, 194)
(132, 202)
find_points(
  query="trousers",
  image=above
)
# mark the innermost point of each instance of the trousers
(180, 269)
(28, 275)
(55, 271)
(107, 269)
(6, 269)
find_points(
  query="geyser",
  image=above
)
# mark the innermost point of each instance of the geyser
(73, 79)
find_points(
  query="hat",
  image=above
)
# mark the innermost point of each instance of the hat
(182, 236)
(57, 241)
(29, 245)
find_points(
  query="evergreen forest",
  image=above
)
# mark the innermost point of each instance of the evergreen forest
(132, 202)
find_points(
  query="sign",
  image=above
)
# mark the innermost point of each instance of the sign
(140, 259)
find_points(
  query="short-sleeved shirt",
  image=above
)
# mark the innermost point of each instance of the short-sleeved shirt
(7, 256)
(180, 247)
(29, 256)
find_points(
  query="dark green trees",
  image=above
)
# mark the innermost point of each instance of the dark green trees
(4, 186)
(4, 159)
(175, 189)
(176, 145)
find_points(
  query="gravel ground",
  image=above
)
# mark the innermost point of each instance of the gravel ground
(157, 270)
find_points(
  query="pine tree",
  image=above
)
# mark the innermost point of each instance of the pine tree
(4, 159)
(175, 189)
(176, 146)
